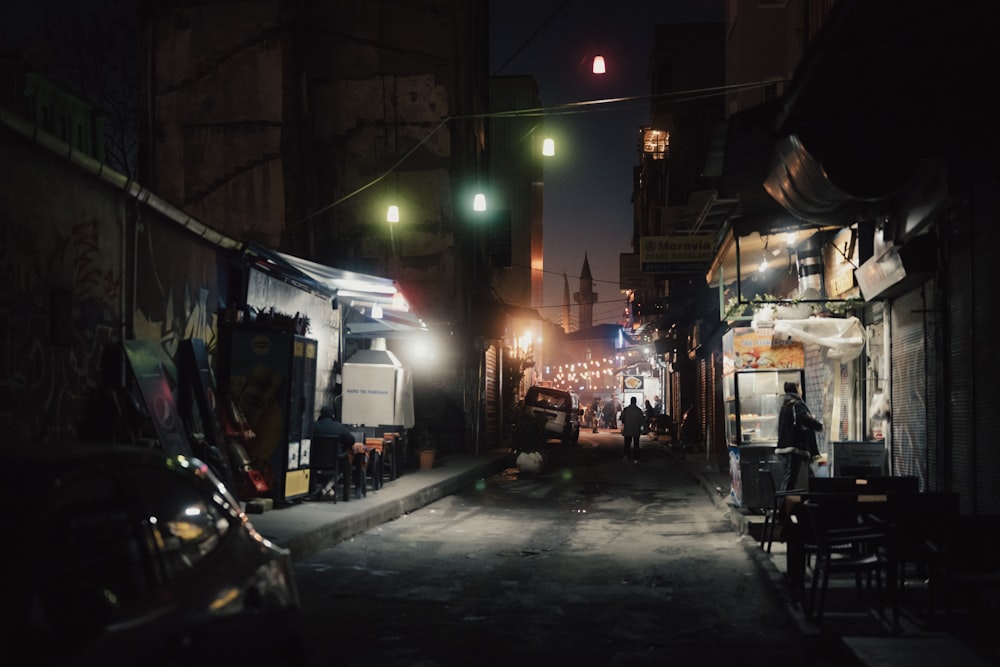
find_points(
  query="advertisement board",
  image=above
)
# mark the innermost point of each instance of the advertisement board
(753, 349)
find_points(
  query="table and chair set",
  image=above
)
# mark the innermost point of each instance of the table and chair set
(901, 545)
(342, 471)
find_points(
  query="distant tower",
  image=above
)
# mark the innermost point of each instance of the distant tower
(586, 297)
(566, 312)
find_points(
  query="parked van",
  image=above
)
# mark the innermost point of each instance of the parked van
(561, 409)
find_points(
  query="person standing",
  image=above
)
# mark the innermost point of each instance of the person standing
(632, 420)
(650, 414)
(609, 414)
(796, 435)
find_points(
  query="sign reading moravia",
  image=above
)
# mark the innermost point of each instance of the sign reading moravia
(663, 254)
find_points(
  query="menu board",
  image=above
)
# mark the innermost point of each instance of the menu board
(749, 349)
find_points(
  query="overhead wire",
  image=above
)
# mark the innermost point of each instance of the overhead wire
(584, 106)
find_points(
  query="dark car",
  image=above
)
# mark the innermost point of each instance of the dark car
(123, 555)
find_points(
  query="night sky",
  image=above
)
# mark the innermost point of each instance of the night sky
(588, 186)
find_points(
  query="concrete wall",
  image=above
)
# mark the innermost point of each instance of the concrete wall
(87, 261)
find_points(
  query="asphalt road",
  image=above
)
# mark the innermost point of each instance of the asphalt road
(591, 562)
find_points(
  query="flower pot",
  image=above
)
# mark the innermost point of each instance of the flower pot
(426, 458)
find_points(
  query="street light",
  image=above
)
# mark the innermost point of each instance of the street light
(392, 217)
(599, 67)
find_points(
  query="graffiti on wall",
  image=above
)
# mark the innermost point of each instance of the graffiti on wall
(57, 314)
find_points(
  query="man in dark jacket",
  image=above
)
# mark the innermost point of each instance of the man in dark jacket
(632, 421)
(796, 435)
(327, 427)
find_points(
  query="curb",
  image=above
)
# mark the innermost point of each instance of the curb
(312, 541)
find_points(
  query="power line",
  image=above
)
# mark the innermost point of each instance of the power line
(585, 106)
(532, 36)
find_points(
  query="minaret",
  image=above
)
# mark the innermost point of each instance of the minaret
(586, 297)
(566, 312)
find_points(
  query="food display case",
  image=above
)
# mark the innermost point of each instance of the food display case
(753, 399)
(756, 366)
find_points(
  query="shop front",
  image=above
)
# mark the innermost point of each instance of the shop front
(788, 296)
(307, 337)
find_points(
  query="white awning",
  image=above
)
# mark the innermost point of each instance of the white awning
(375, 306)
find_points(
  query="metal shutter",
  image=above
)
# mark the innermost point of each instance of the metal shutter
(912, 389)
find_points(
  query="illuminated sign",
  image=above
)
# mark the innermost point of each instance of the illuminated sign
(688, 253)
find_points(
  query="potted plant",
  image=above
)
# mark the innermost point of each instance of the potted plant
(425, 448)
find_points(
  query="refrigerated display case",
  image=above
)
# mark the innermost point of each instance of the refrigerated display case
(753, 400)
(271, 376)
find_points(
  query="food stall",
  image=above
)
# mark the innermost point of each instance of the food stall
(756, 365)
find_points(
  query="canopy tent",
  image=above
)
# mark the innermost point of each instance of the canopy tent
(374, 306)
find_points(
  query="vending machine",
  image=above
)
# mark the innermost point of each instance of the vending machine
(271, 376)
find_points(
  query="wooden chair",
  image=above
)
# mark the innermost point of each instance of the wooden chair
(775, 511)
(845, 544)
(392, 455)
(375, 470)
(922, 530)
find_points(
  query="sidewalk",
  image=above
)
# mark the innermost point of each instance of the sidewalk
(910, 645)
(311, 526)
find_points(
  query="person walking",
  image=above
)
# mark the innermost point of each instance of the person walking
(796, 435)
(632, 420)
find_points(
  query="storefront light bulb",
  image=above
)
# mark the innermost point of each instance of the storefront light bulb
(763, 266)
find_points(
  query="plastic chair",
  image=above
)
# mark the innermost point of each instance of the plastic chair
(845, 544)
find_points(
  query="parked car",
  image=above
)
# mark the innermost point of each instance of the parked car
(561, 411)
(123, 555)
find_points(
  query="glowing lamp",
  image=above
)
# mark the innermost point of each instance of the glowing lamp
(599, 67)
